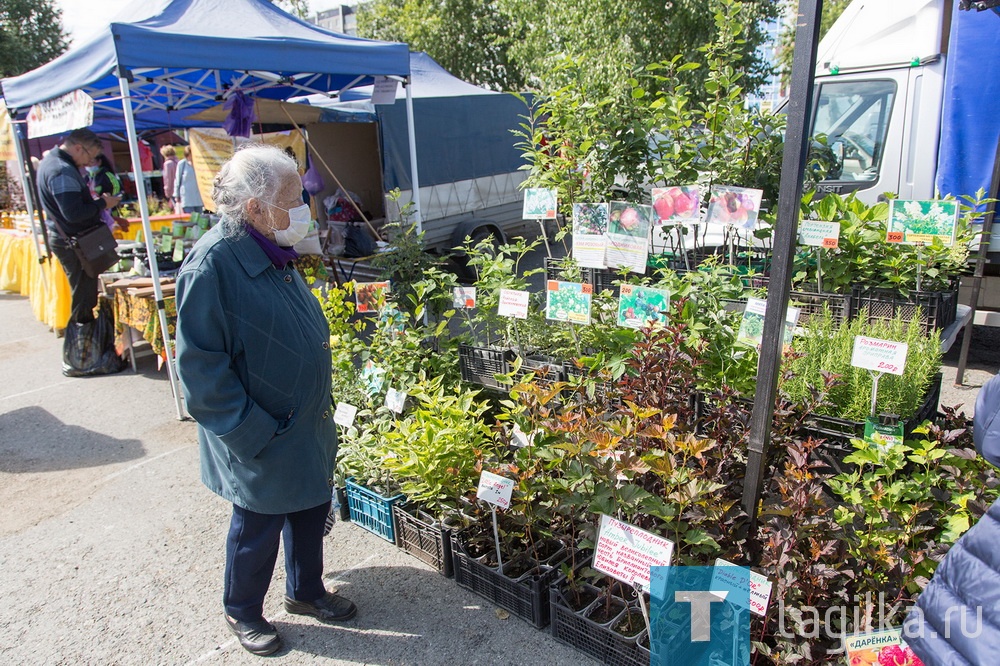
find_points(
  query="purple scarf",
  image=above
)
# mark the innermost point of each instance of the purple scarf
(279, 256)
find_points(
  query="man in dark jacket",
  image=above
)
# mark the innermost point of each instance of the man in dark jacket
(70, 210)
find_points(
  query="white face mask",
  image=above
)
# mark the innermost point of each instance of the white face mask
(298, 225)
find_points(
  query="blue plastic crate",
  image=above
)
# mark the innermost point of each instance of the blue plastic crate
(372, 511)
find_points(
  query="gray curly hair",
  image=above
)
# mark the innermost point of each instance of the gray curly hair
(256, 171)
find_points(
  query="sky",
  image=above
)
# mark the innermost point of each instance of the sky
(82, 18)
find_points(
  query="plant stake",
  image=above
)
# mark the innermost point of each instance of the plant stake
(642, 605)
(681, 244)
(545, 237)
(495, 490)
(819, 270)
(920, 261)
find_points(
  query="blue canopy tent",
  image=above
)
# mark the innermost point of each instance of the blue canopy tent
(469, 127)
(163, 60)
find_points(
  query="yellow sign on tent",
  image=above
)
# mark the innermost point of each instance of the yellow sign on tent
(7, 150)
(211, 148)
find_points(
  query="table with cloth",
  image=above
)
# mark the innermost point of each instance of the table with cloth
(44, 284)
(156, 223)
(135, 307)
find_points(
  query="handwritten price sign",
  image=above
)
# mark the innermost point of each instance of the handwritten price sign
(879, 355)
(728, 576)
(628, 553)
(495, 489)
(894, 237)
(513, 303)
(819, 234)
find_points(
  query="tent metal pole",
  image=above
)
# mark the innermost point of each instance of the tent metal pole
(414, 178)
(783, 251)
(140, 191)
(29, 200)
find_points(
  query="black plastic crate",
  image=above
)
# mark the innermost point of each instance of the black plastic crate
(547, 370)
(480, 365)
(423, 537)
(839, 432)
(556, 269)
(595, 640)
(811, 304)
(604, 280)
(604, 389)
(599, 641)
(938, 309)
(526, 597)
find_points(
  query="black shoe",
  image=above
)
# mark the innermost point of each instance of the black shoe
(258, 637)
(328, 608)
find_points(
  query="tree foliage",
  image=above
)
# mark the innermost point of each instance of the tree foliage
(516, 44)
(31, 34)
(832, 9)
(298, 8)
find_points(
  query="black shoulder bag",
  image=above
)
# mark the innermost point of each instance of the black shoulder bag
(96, 248)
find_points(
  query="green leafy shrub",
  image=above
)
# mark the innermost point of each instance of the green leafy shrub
(827, 349)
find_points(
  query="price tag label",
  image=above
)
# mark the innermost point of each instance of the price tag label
(818, 234)
(628, 553)
(879, 355)
(513, 303)
(463, 298)
(344, 415)
(831, 243)
(894, 237)
(495, 489)
(730, 576)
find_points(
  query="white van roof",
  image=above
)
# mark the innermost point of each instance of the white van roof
(878, 34)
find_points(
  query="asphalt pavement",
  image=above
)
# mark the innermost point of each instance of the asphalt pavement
(111, 550)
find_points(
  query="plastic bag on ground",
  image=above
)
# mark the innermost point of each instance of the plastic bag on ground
(89, 349)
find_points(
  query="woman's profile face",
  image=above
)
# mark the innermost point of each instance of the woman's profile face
(266, 219)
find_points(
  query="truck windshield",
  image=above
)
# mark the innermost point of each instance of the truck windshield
(854, 116)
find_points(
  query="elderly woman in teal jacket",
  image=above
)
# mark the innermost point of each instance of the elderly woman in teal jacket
(254, 362)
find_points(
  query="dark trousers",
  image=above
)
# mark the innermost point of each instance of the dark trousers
(82, 286)
(252, 550)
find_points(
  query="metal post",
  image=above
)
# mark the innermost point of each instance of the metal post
(414, 178)
(147, 231)
(789, 198)
(977, 279)
(33, 205)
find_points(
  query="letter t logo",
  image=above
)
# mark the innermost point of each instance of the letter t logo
(701, 611)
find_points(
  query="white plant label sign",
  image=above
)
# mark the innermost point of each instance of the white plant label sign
(727, 575)
(819, 234)
(513, 303)
(463, 298)
(879, 355)
(384, 90)
(344, 415)
(495, 489)
(627, 553)
(395, 400)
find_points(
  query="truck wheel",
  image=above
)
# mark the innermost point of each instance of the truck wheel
(463, 271)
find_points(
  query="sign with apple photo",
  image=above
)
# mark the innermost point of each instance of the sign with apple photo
(676, 205)
(736, 207)
(590, 223)
(628, 236)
